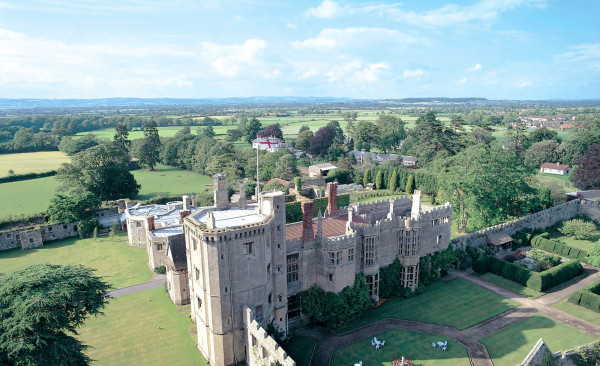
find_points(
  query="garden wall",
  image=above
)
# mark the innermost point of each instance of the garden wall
(538, 220)
(33, 237)
(262, 349)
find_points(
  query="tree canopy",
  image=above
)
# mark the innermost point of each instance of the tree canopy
(587, 175)
(40, 307)
(273, 130)
(150, 149)
(71, 208)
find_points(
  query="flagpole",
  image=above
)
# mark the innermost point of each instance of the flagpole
(257, 176)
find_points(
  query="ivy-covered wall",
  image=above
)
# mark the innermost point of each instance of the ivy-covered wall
(293, 210)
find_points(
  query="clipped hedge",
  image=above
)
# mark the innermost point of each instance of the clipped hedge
(521, 239)
(587, 297)
(20, 177)
(293, 210)
(541, 281)
(558, 248)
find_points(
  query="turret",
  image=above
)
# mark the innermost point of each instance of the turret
(221, 197)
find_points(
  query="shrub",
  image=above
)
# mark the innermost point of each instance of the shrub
(464, 259)
(588, 297)
(160, 270)
(510, 258)
(579, 228)
(86, 227)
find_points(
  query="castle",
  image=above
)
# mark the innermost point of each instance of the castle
(241, 267)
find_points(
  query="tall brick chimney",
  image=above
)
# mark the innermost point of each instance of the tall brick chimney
(150, 223)
(307, 227)
(183, 215)
(332, 208)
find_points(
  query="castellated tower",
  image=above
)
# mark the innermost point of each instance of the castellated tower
(236, 259)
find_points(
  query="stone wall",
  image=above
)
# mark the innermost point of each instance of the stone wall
(33, 237)
(536, 355)
(538, 220)
(262, 349)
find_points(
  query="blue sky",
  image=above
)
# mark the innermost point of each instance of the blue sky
(497, 49)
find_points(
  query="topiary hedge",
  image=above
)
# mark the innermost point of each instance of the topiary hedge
(558, 248)
(587, 297)
(541, 281)
(293, 210)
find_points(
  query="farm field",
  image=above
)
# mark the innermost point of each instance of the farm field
(34, 195)
(121, 264)
(129, 333)
(509, 346)
(35, 162)
(26, 197)
(458, 303)
(415, 346)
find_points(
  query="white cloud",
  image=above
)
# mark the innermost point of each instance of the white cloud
(483, 10)
(332, 38)
(463, 80)
(228, 60)
(347, 72)
(586, 55)
(327, 9)
(413, 73)
(475, 68)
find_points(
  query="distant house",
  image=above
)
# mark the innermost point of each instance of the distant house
(565, 127)
(382, 158)
(320, 170)
(270, 144)
(555, 168)
(283, 182)
(408, 160)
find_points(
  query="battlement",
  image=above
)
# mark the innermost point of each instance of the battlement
(263, 349)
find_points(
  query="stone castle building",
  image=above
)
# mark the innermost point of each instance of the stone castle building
(232, 260)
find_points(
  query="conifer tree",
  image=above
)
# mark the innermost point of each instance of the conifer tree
(379, 180)
(366, 178)
(151, 146)
(410, 184)
(393, 181)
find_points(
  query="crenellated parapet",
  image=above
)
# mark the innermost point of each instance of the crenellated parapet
(263, 349)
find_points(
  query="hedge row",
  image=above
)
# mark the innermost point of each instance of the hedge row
(587, 297)
(293, 210)
(558, 248)
(20, 177)
(522, 239)
(539, 281)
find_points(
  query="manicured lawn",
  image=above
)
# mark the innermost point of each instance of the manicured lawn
(34, 195)
(129, 333)
(414, 346)
(458, 303)
(26, 197)
(121, 264)
(167, 180)
(300, 348)
(509, 346)
(510, 285)
(578, 311)
(35, 162)
(578, 243)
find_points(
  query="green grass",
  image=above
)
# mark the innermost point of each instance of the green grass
(511, 345)
(578, 311)
(35, 162)
(300, 348)
(562, 181)
(458, 303)
(129, 334)
(34, 195)
(510, 285)
(414, 346)
(121, 264)
(167, 180)
(27, 196)
(578, 243)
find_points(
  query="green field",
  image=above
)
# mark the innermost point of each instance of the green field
(300, 349)
(26, 197)
(511, 345)
(35, 162)
(458, 303)
(34, 195)
(167, 180)
(129, 332)
(414, 346)
(510, 285)
(578, 311)
(121, 264)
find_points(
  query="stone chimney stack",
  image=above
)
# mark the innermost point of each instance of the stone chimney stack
(416, 205)
(186, 203)
(390, 214)
(150, 223)
(221, 198)
(319, 233)
(332, 208)
(307, 227)
(193, 200)
(242, 201)
(183, 215)
(210, 220)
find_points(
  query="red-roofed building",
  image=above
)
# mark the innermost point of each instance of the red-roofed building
(555, 168)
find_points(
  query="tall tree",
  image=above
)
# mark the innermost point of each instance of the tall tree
(151, 146)
(303, 141)
(72, 208)
(365, 134)
(121, 138)
(541, 152)
(587, 175)
(366, 178)
(41, 308)
(393, 181)
(379, 180)
(273, 130)
(251, 129)
(391, 132)
(338, 138)
(321, 141)
(410, 184)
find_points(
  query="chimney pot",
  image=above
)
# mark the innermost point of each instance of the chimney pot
(150, 222)
(307, 224)
(332, 208)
